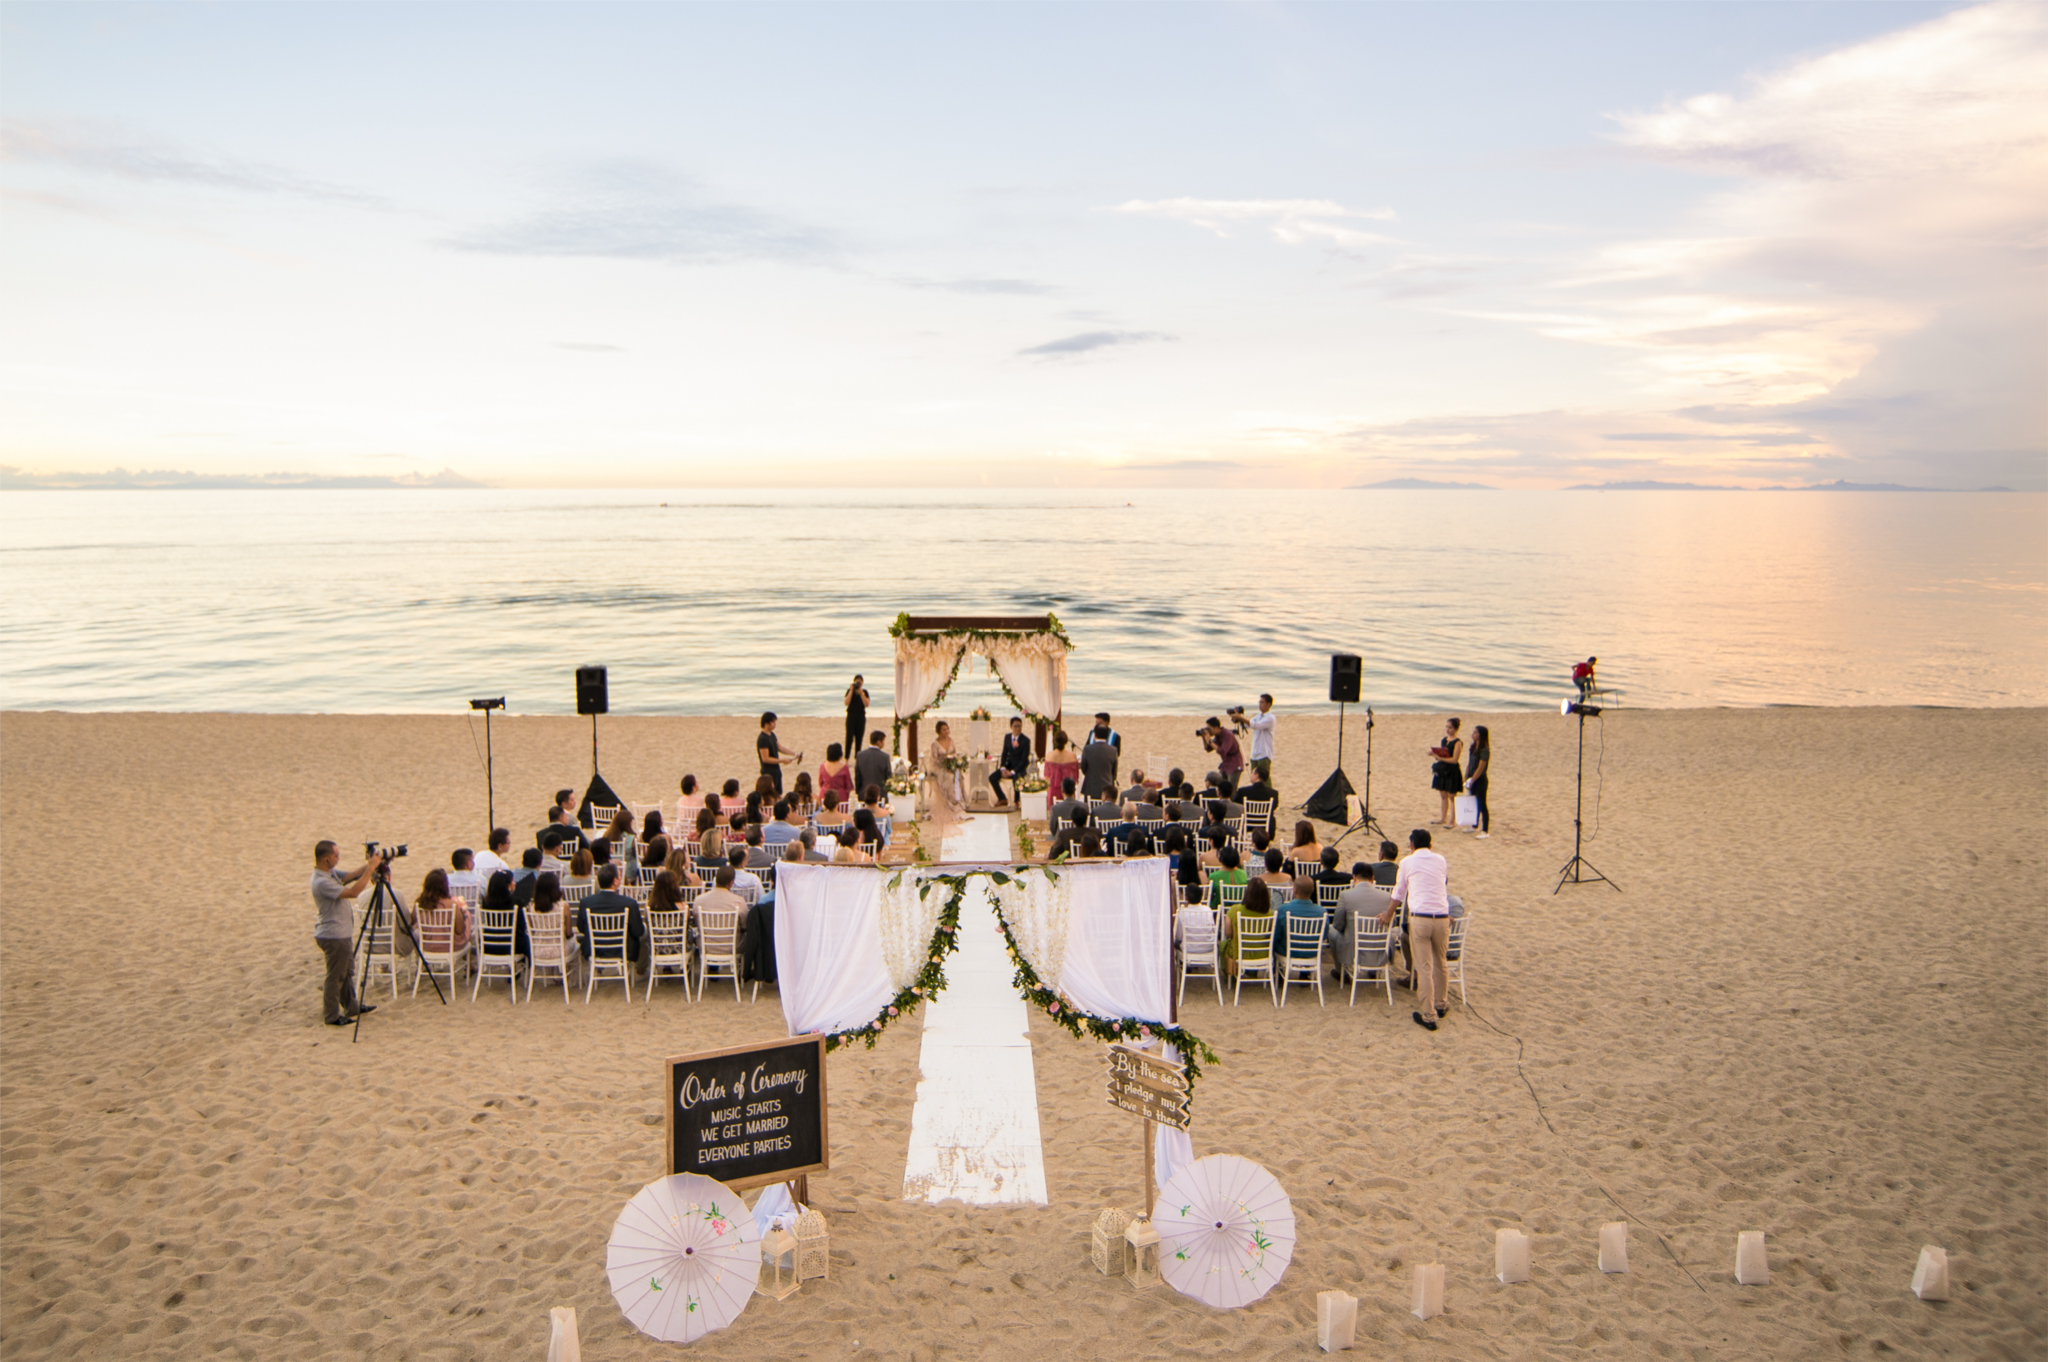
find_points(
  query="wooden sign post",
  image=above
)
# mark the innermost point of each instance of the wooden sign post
(750, 1115)
(1148, 1086)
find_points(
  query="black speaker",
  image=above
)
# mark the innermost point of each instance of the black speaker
(592, 696)
(1347, 670)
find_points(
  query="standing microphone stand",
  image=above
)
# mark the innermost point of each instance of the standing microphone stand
(1579, 870)
(1366, 822)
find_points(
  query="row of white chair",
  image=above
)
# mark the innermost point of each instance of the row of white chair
(1373, 947)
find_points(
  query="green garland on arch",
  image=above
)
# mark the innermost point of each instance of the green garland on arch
(900, 628)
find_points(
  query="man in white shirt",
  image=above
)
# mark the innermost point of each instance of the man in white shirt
(1262, 739)
(489, 863)
(463, 872)
(1423, 887)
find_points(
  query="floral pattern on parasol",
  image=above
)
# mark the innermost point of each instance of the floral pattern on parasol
(1226, 1231)
(684, 1257)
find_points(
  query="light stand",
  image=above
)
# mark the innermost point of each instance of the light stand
(490, 780)
(1579, 870)
(1366, 822)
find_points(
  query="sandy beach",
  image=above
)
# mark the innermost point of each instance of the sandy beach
(1816, 1009)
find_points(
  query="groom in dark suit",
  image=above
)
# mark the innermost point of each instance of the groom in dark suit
(1016, 760)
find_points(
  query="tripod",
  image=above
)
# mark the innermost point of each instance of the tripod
(373, 918)
(1366, 822)
(1579, 870)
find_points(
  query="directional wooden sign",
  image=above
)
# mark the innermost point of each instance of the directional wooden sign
(1148, 1086)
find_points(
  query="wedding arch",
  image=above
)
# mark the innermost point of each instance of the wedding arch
(1026, 653)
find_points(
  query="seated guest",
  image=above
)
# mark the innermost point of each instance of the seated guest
(1091, 843)
(745, 882)
(1121, 833)
(1068, 807)
(872, 767)
(803, 797)
(464, 874)
(720, 898)
(600, 855)
(1261, 789)
(547, 898)
(581, 867)
(680, 865)
(830, 814)
(1138, 843)
(1150, 810)
(561, 830)
(835, 777)
(1171, 788)
(1276, 876)
(1301, 905)
(728, 793)
(1105, 812)
(777, 834)
(1137, 792)
(436, 896)
(793, 849)
(1363, 900)
(710, 837)
(1388, 868)
(490, 862)
(498, 893)
(1069, 838)
(657, 852)
(1306, 847)
(754, 807)
(606, 898)
(529, 866)
(1258, 902)
(623, 848)
(868, 832)
(1229, 870)
(652, 827)
(1330, 874)
(716, 805)
(849, 851)
(765, 787)
(759, 853)
(687, 804)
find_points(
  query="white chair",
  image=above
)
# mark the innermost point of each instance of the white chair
(1304, 962)
(497, 946)
(1455, 954)
(601, 815)
(573, 894)
(1373, 949)
(547, 948)
(1200, 953)
(380, 947)
(439, 954)
(718, 948)
(1254, 954)
(470, 894)
(1258, 814)
(1230, 895)
(668, 947)
(1301, 869)
(1326, 895)
(607, 954)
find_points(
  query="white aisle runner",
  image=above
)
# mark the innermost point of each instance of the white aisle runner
(974, 1131)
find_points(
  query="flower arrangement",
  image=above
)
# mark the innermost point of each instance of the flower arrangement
(901, 785)
(1033, 785)
(981, 713)
(956, 763)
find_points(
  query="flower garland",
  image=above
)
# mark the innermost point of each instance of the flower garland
(931, 981)
(899, 629)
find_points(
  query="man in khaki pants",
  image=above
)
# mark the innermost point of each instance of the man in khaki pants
(1423, 886)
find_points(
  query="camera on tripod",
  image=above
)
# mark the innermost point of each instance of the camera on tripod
(391, 854)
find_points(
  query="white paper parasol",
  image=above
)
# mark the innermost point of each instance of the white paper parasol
(1226, 1231)
(684, 1257)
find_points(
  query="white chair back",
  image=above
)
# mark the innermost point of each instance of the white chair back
(668, 948)
(1372, 949)
(435, 928)
(1200, 950)
(1457, 952)
(1304, 963)
(497, 944)
(607, 953)
(547, 947)
(1254, 953)
(718, 948)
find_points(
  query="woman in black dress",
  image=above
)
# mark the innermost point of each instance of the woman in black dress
(1475, 774)
(856, 714)
(1444, 776)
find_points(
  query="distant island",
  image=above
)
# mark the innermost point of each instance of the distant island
(1419, 485)
(1838, 485)
(13, 479)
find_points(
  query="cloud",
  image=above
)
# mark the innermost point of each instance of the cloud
(97, 150)
(635, 210)
(1091, 340)
(1182, 466)
(1292, 221)
(1019, 288)
(594, 347)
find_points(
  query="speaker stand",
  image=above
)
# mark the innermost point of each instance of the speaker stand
(1366, 822)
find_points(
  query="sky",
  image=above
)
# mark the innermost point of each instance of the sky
(1525, 245)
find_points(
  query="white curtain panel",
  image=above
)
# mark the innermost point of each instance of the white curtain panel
(922, 666)
(1034, 669)
(908, 919)
(1119, 938)
(828, 946)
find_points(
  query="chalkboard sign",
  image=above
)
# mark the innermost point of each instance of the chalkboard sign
(751, 1115)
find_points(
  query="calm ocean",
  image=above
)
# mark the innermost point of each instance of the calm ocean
(724, 602)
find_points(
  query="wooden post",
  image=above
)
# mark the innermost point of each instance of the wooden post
(800, 1190)
(1038, 725)
(913, 744)
(1150, 1194)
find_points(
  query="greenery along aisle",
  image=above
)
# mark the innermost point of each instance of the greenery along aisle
(931, 980)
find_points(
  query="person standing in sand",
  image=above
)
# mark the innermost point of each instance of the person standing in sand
(1475, 776)
(769, 749)
(872, 766)
(1423, 888)
(1444, 776)
(1261, 725)
(856, 713)
(334, 928)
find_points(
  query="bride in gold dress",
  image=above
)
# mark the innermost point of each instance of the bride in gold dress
(948, 799)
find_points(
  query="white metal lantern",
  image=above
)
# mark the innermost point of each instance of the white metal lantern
(813, 1246)
(778, 1264)
(1143, 1242)
(1108, 1251)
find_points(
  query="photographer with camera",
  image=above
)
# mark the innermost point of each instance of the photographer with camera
(334, 927)
(1230, 757)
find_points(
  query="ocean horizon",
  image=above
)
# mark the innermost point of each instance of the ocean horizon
(1178, 601)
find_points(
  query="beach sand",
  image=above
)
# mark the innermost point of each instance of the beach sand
(1816, 1009)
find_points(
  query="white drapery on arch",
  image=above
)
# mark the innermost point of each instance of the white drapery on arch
(1032, 666)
